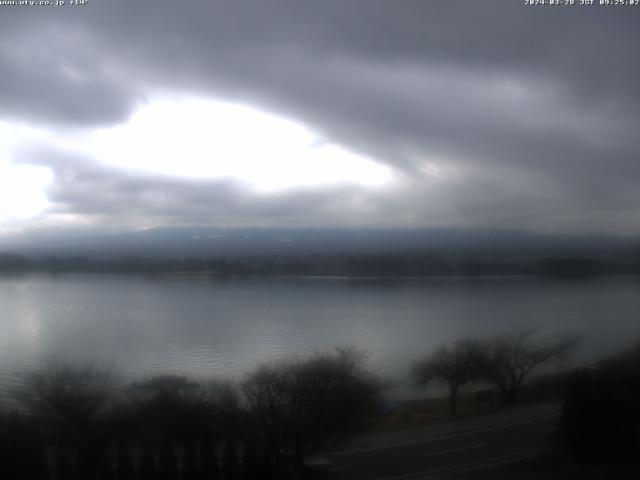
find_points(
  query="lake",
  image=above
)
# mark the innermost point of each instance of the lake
(223, 327)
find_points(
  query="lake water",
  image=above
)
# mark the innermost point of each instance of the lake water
(210, 327)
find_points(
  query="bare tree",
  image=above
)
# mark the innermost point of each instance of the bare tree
(513, 357)
(298, 406)
(174, 408)
(68, 390)
(456, 365)
(77, 398)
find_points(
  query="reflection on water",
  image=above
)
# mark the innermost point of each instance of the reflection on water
(224, 327)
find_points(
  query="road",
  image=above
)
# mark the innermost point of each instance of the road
(448, 456)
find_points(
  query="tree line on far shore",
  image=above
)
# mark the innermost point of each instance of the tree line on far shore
(374, 265)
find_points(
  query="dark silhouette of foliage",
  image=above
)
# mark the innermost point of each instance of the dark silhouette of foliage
(456, 365)
(251, 465)
(571, 267)
(148, 468)
(78, 400)
(281, 413)
(208, 459)
(74, 393)
(64, 469)
(13, 263)
(105, 471)
(173, 406)
(600, 422)
(512, 358)
(168, 467)
(4, 444)
(124, 469)
(190, 470)
(507, 361)
(230, 467)
(38, 462)
(299, 406)
(268, 464)
(24, 458)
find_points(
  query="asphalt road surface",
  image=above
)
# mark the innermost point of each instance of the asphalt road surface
(446, 457)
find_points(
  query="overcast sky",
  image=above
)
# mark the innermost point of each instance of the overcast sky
(122, 115)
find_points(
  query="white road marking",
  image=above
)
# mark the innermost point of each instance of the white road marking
(455, 450)
(446, 437)
(478, 464)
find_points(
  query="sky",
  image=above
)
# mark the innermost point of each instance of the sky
(126, 115)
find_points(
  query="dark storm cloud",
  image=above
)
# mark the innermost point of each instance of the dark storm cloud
(108, 198)
(537, 109)
(51, 74)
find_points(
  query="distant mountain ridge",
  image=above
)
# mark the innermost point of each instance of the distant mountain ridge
(171, 242)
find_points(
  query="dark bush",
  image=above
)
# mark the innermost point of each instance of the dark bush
(230, 467)
(295, 408)
(124, 467)
(600, 422)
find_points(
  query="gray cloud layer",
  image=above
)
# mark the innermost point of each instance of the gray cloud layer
(536, 109)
